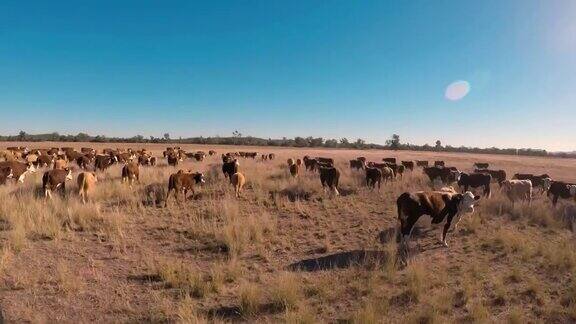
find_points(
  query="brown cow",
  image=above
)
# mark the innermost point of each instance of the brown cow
(422, 163)
(373, 177)
(357, 164)
(5, 173)
(44, 161)
(211, 152)
(60, 164)
(230, 168)
(54, 180)
(182, 182)
(103, 162)
(83, 162)
(439, 163)
(86, 183)
(172, 159)
(19, 169)
(271, 156)
(389, 160)
(329, 177)
(238, 180)
(408, 165)
(294, 170)
(131, 173)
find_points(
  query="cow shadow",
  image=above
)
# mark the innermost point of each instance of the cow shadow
(366, 258)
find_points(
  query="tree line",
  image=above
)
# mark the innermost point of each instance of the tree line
(237, 138)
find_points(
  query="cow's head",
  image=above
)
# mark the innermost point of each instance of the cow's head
(68, 173)
(30, 167)
(199, 177)
(465, 202)
(546, 183)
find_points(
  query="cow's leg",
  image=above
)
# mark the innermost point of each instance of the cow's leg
(445, 230)
(166, 200)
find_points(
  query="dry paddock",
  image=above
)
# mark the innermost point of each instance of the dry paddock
(283, 252)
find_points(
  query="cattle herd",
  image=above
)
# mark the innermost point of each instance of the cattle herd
(443, 203)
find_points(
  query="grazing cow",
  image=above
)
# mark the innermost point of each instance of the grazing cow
(103, 162)
(446, 176)
(439, 163)
(356, 164)
(542, 181)
(86, 183)
(480, 165)
(271, 156)
(54, 180)
(238, 180)
(182, 182)
(294, 170)
(373, 177)
(44, 161)
(475, 180)
(389, 160)
(5, 173)
(497, 175)
(211, 152)
(130, 173)
(408, 165)
(172, 159)
(19, 169)
(230, 168)
(517, 189)
(325, 160)
(559, 189)
(60, 164)
(329, 177)
(83, 162)
(439, 205)
(422, 164)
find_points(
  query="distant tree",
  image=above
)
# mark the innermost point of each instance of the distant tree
(166, 136)
(359, 143)
(344, 142)
(331, 143)
(394, 142)
(237, 134)
(438, 145)
(300, 141)
(316, 142)
(22, 135)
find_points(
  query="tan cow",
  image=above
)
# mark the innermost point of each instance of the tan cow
(238, 180)
(60, 164)
(86, 184)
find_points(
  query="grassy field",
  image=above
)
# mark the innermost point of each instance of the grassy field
(216, 257)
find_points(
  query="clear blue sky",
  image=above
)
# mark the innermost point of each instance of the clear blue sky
(355, 69)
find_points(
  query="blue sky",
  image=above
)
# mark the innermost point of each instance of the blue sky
(355, 69)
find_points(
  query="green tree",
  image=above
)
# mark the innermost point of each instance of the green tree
(394, 142)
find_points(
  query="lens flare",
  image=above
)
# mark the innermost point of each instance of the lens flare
(457, 90)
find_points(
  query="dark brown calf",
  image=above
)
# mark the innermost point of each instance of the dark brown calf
(329, 177)
(53, 180)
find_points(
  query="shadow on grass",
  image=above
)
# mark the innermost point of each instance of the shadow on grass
(341, 260)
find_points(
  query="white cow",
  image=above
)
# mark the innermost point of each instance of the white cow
(518, 189)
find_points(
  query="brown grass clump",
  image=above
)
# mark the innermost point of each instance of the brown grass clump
(286, 291)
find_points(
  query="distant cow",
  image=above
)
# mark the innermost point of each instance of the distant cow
(145, 160)
(172, 159)
(357, 164)
(325, 160)
(19, 169)
(294, 170)
(83, 162)
(86, 184)
(497, 175)
(103, 162)
(183, 182)
(87, 150)
(290, 161)
(480, 165)
(271, 156)
(436, 204)
(389, 160)
(229, 168)
(559, 189)
(542, 181)
(329, 178)
(517, 189)
(445, 175)
(439, 163)
(475, 180)
(55, 180)
(422, 164)
(5, 173)
(310, 164)
(130, 173)
(238, 180)
(398, 169)
(211, 152)
(373, 177)
(408, 165)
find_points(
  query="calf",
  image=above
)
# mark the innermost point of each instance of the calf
(19, 169)
(230, 168)
(373, 177)
(54, 180)
(5, 173)
(475, 180)
(238, 180)
(497, 175)
(517, 189)
(60, 164)
(480, 165)
(183, 182)
(542, 181)
(131, 173)
(144, 160)
(559, 189)
(86, 184)
(408, 165)
(357, 164)
(329, 177)
(438, 205)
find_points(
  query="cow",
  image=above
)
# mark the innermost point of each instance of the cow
(373, 177)
(7, 156)
(309, 163)
(53, 151)
(517, 190)
(60, 164)
(422, 163)
(44, 161)
(329, 178)
(387, 174)
(211, 152)
(238, 180)
(172, 159)
(103, 162)
(230, 168)
(475, 180)
(560, 189)
(130, 173)
(408, 165)
(481, 165)
(264, 157)
(250, 154)
(86, 150)
(361, 158)
(542, 181)
(5, 173)
(397, 168)
(72, 155)
(325, 160)
(199, 156)
(86, 183)
(294, 170)
(446, 176)
(83, 162)
(439, 163)
(299, 162)
(389, 160)
(153, 161)
(19, 169)
(356, 164)
(124, 157)
(439, 205)
(290, 161)
(144, 159)
(53, 180)
(31, 158)
(183, 182)
(497, 175)
(271, 156)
